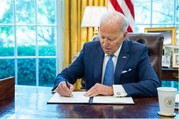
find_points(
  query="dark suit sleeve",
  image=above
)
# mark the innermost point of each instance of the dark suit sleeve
(71, 73)
(57, 81)
(148, 80)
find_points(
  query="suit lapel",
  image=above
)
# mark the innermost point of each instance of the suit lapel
(122, 59)
(98, 64)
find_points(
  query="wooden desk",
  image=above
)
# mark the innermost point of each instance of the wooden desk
(31, 103)
(170, 74)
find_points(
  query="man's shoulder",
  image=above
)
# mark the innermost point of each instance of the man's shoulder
(92, 43)
(92, 46)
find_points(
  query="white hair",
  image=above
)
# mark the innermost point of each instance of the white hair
(114, 16)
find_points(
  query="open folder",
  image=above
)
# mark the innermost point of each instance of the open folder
(78, 97)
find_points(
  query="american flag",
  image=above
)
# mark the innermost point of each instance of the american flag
(125, 7)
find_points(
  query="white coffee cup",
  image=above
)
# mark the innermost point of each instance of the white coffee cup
(166, 97)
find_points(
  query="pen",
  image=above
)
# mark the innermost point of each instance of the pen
(67, 84)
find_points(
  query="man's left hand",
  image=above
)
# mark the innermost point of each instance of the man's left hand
(99, 89)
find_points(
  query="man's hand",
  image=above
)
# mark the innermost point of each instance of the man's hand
(99, 89)
(63, 90)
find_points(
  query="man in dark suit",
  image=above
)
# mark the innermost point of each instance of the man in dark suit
(133, 74)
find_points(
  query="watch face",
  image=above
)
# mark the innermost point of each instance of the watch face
(169, 101)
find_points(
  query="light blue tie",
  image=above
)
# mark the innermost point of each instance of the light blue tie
(108, 75)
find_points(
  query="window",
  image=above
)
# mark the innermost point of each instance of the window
(157, 13)
(28, 41)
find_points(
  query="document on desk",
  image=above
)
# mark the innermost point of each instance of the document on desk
(78, 97)
(113, 100)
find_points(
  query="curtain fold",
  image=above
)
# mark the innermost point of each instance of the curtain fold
(74, 35)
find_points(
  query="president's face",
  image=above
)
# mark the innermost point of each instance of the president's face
(110, 38)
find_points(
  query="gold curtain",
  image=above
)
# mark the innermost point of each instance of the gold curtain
(74, 35)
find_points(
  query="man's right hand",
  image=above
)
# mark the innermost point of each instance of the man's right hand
(63, 90)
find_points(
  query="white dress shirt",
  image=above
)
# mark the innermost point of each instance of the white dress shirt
(119, 88)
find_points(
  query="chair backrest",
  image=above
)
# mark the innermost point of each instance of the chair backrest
(154, 42)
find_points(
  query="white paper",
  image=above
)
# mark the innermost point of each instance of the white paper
(113, 100)
(76, 98)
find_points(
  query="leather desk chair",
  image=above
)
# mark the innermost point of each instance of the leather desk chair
(154, 42)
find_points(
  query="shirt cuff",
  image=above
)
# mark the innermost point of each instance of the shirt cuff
(119, 91)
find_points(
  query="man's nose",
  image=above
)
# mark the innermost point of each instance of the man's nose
(106, 42)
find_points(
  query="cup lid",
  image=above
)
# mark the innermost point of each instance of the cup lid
(166, 89)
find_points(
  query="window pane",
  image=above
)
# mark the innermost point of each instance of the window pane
(48, 50)
(142, 11)
(47, 41)
(46, 12)
(140, 28)
(6, 11)
(162, 25)
(177, 35)
(6, 41)
(174, 84)
(26, 72)
(26, 41)
(25, 11)
(177, 12)
(163, 12)
(6, 68)
(47, 72)
(28, 29)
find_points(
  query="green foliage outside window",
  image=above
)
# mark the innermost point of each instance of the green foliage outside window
(6, 51)
(27, 66)
(47, 71)
(6, 68)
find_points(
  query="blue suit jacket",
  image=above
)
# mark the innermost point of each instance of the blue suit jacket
(133, 69)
